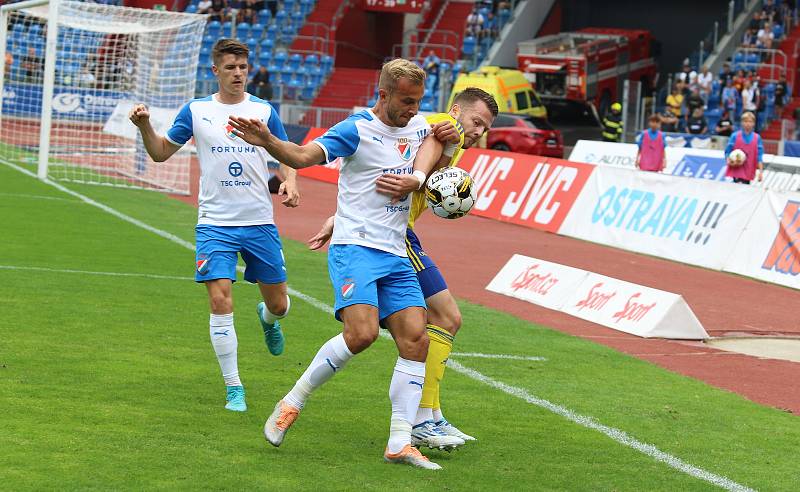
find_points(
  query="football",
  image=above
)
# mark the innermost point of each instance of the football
(451, 192)
(736, 158)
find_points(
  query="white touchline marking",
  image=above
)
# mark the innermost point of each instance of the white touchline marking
(496, 356)
(38, 197)
(615, 434)
(87, 272)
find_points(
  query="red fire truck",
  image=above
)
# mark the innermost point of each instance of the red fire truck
(588, 66)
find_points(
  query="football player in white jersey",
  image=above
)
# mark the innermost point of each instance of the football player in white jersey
(372, 277)
(234, 205)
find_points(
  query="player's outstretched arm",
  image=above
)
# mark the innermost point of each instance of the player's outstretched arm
(319, 239)
(159, 148)
(255, 132)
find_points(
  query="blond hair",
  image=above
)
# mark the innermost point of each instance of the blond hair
(399, 68)
(749, 115)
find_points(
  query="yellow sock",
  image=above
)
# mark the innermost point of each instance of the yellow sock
(438, 352)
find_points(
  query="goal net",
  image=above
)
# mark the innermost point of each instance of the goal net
(72, 70)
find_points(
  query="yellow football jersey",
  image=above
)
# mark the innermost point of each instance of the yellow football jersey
(418, 201)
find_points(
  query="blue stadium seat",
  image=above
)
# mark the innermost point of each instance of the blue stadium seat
(326, 62)
(208, 40)
(302, 71)
(280, 17)
(427, 105)
(227, 27)
(286, 74)
(309, 89)
(280, 58)
(306, 6)
(315, 73)
(738, 58)
(257, 31)
(295, 60)
(752, 60)
(298, 19)
(272, 32)
(311, 60)
(191, 9)
(265, 57)
(243, 30)
(274, 69)
(503, 16)
(777, 31)
(469, 45)
(288, 5)
(267, 44)
(264, 16)
(213, 29)
(288, 32)
(252, 45)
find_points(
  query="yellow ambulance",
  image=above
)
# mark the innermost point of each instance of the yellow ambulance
(511, 90)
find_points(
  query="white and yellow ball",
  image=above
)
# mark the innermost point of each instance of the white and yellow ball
(451, 192)
(736, 158)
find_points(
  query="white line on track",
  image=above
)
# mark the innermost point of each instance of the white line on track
(617, 435)
(38, 197)
(497, 356)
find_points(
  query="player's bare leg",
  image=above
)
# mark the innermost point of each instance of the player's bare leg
(224, 341)
(274, 307)
(360, 331)
(444, 321)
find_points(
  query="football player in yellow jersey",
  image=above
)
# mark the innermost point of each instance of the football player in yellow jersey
(472, 114)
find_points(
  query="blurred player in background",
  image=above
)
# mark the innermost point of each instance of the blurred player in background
(234, 206)
(372, 278)
(472, 114)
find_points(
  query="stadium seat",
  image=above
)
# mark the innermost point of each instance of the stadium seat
(252, 44)
(272, 32)
(738, 58)
(503, 16)
(752, 61)
(280, 58)
(315, 73)
(326, 62)
(208, 40)
(298, 19)
(243, 30)
(306, 6)
(213, 29)
(264, 16)
(280, 17)
(267, 44)
(191, 9)
(469, 45)
(288, 32)
(286, 74)
(265, 57)
(426, 105)
(309, 89)
(295, 60)
(311, 60)
(226, 29)
(777, 31)
(274, 69)
(257, 31)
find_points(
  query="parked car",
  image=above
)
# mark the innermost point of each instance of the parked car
(525, 135)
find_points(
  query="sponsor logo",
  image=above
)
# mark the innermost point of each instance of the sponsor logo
(667, 216)
(347, 290)
(421, 134)
(224, 149)
(609, 159)
(72, 102)
(229, 132)
(67, 103)
(403, 147)
(532, 281)
(596, 299)
(208, 120)
(633, 311)
(784, 254)
(334, 367)
(378, 139)
(417, 383)
(692, 166)
(223, 333)
(235, 169)
(528, 190)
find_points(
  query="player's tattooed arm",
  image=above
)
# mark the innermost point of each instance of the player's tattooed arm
(319, 239)
(256, 132)
(289, 187)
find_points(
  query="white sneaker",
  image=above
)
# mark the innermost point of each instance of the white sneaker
(451, 430)
(411, 456)
(427, 434)
(278, 423)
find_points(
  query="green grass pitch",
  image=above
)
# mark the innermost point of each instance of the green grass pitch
(110, 382)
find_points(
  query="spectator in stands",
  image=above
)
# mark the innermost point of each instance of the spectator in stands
(260, 85)
(87, 78)
(431, 63)
(694, 101)
(749, 98)
(612, 124)
(704, 83)
(475, 23)
(765, 36)
(729, 97)
(697, 124)
(781, 88)
(755, 22)
(724, 125)
(31, 65)
(675, 101)
(751, 144)
(669, 122)
(726, 74)
(749, 39)
(204, 6)
(490, 26)
(217, 11)
(738, 80)
(9, 59)
(687, 75)
(651, 155)
(272, 5)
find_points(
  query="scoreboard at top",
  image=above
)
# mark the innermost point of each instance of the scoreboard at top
(402, 6)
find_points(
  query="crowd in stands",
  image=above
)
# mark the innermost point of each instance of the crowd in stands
(483, 26)
(701, 103)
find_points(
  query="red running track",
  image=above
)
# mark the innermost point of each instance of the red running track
(724, 303)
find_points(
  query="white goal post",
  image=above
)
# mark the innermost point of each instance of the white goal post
(69, 73)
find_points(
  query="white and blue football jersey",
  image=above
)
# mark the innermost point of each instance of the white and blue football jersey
(234, 175)
(368, 149)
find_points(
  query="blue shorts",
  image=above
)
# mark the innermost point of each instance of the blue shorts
(259, 245)
(362, 275)
(430, 278)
